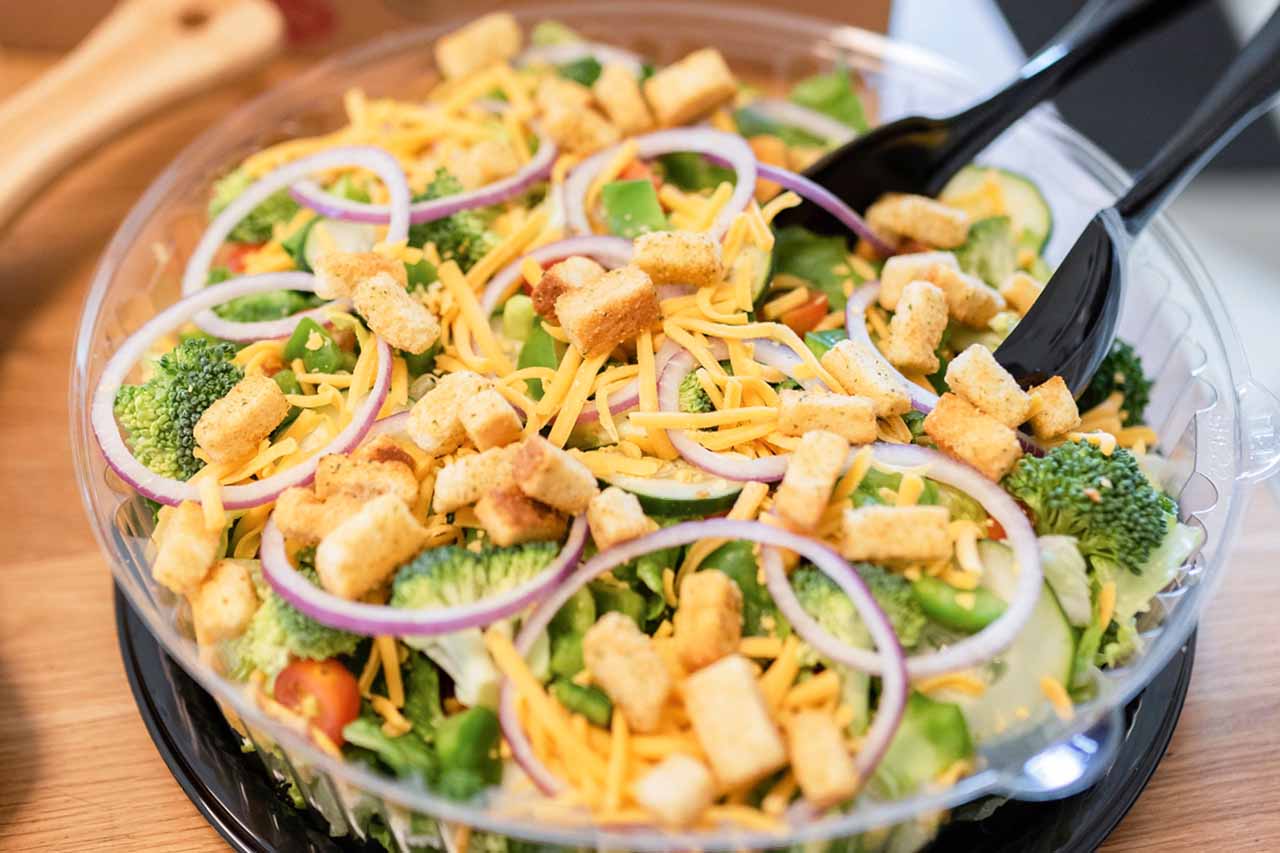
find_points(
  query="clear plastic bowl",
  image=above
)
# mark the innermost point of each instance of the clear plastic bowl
(1216, 425)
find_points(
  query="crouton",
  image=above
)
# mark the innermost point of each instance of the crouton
(187, 550)
(916, 328)
(434, 422)
(919, 218)
(1054, 409)
(463, 481)
(622, 659)
(708, 621)
(394, 315)
(304, 518)
(223, 605)
(811, 474)
(489, 420)
(771, 151)
(363, 551)
(731, 721)
(231, 429)
(861, 370)
(820, 760)
(510, 518)
(614, 308)
(1020, 292)
(615, 516)
(345, 475)
(556, 93)
(895, 533)
(690, 88)
(569, 274)
(962, 431)
(619, 94)
(338, 273)
(969, 300)
(677, 790)
(384, 448)
(484, 162)
(679, 257)
(546, 473)
(976, 376)
(485, 41)
(901, 270)
(851, 418)
(579, 130)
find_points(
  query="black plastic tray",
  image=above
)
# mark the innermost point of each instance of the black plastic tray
(233, 790)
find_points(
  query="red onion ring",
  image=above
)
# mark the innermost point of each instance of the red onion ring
(893, 695)
(972, 650)
(372, 619)
(559, 54)
(396, 424)
(828, 201)
(172, 492)
(611, 252)
(726, 148)
(261, 330)
(309, 194)
(855, 326)
(811, 121)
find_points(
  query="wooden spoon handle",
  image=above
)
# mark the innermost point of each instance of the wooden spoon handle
(143, 56)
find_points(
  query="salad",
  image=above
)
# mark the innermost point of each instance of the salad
(502, 444)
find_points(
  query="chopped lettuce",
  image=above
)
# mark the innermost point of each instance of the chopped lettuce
(832, 94)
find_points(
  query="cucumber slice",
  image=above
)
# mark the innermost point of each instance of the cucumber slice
(983, 190)
(327, 235)
(762, 266)
(693, 493)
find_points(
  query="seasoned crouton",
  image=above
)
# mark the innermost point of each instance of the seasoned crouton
(362, 552)
(731, 721)
(618, 92)
(579, 130)
(615, 516)
(919, 218)
(916, 328)
(394, 315)
(901, 270)
(463, 481)
(677, 790)
(812, 472)
(546, 473)
(624, 662)
(708, 621)
(383, 448)
(690, 88)
(345, 475)
(852, 418)
(485, 41)
(819, 759)
(569, 274)
(976, 376)
(555, 93)
(962, 431)
(304, 518)
(489, 420)
(434, 422)
(614, 308)
(187, 549)
(509, 517)
(1021, 291)
(338, 272)
(1055, 410)
(859, 368)
(969, 300)
(223, 605)
(679, 257)
(484, 162)
(231, 429)
(896, 533)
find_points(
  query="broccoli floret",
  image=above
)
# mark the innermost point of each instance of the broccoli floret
(258, 224)
(159, 416)
(464, 236)
(1121, 371)
(265, 306)
(453, 576)
(893, 593)
(692, 396)
(1104, 501)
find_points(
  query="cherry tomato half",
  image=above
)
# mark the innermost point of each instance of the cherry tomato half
(807, 316)
(996, 529)
(323, 691)
(234, 254)
(638, 170)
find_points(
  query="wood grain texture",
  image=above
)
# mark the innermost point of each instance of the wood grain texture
(78, 770)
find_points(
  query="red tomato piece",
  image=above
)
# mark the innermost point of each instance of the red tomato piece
(323, 691)
(807, 316)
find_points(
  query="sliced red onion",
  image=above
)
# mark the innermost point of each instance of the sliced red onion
(803, 118)
(373, 619)
(782, 357)
(972, 650)
(855, 325)
(396, 424)
(172, 492)
(309, 194)
(570, 51)
(262, 330)
(828, 201)
(611, 252)
(727, 148)
(893, 695)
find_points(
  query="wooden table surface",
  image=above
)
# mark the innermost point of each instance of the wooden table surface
(77, 770)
